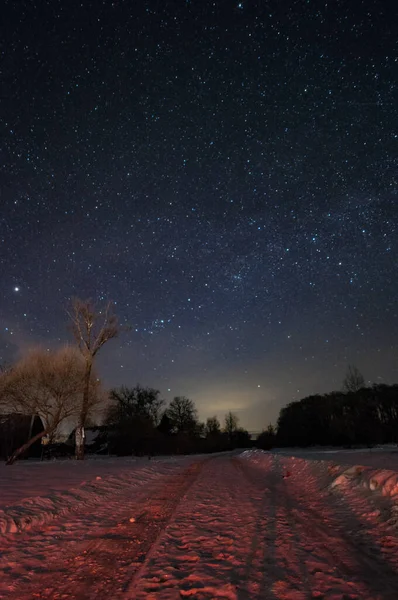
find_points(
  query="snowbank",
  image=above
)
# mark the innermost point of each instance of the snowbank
(379, 457)
(381, 482)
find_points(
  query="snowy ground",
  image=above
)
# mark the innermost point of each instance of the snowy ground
(254, 526)
(383, 457)
(27, 479)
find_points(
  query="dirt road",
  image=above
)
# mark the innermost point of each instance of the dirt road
(216, 528)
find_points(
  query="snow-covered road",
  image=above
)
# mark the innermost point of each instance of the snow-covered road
(206, 528)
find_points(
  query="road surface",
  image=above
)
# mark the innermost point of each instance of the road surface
(219, 527)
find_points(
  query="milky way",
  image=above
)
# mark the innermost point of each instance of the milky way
(226, 172)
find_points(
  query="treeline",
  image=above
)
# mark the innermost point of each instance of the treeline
(138, 422)
(366, 416)
(63, 386)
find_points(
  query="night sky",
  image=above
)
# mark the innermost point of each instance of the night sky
(225, 171)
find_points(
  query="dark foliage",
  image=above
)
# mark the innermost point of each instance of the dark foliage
(136, 425)
(166, 425)
(57, 451)
(266, 439)
(367, 416)
(132, 420)
(183, 416)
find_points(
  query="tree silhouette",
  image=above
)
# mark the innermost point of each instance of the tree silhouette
(365, 417)
(213, 426)
(134, 403)
(353, 380)
(91, 329)
(231, 424)
(266, 439)
(182, 414)
(132, 418)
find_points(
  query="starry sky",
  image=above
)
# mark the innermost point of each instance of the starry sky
(225, 171)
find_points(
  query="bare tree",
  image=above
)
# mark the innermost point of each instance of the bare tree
(135, 403)
(45, 384)
(353, 380)
(231, 424)
(213, 426)
(91, 329)
(182, 414)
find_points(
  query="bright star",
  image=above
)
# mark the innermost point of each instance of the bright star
(16, 289)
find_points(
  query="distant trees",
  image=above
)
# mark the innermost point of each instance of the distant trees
(366, 416)
(237, 436)
(183, 415)
(165, 426)
(215, 440)
(241, 439)
(266, 440)
(132, 418)
(135, 403)
(137, 422)
(46, 384)
(91, 328)
(186, 430)
(353, 380)
(230, 424)
(213, 426)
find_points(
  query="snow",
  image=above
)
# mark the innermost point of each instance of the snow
(26, 479)
(35, 492)
(378, 457)
(373, 469)
(250, 526)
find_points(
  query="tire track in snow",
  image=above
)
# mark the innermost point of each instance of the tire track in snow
(262, 554)
(315, 557)
(284, 571)
(104, 566)
(375, 532)
(203, 552)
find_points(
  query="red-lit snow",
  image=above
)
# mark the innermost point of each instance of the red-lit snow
(250, 526)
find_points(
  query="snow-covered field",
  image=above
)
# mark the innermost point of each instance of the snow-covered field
(27, 479)
(251, 526)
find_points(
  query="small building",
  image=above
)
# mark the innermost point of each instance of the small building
(95, 439)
